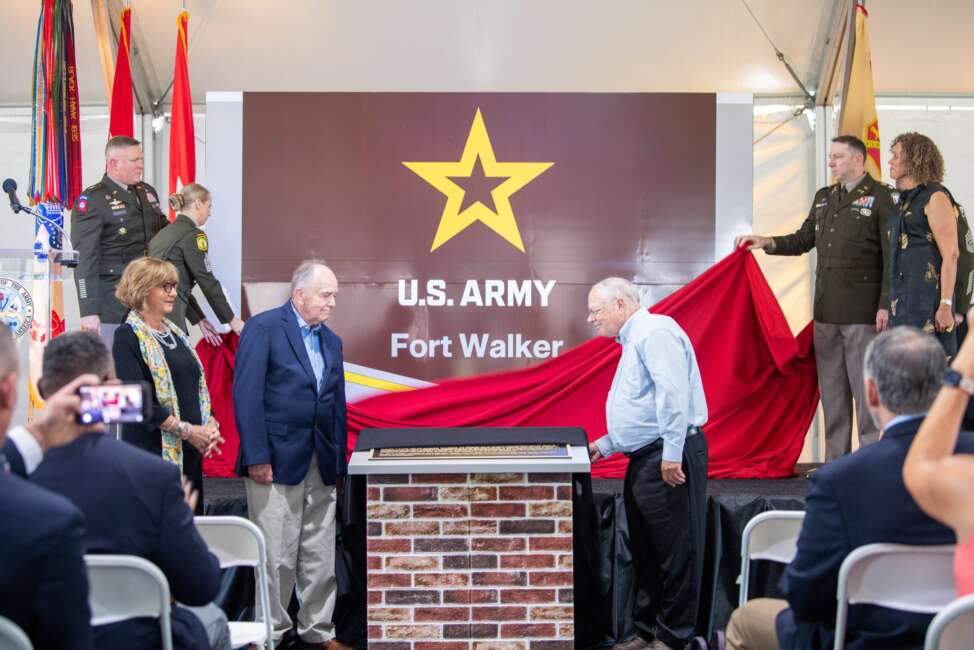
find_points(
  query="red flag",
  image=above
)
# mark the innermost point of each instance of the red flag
(122, 107)
(182, 139)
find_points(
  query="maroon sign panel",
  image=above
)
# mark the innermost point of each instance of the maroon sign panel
(466, 229)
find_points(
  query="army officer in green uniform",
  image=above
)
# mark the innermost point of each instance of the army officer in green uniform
(184, 244)
(848, 227)
(111, 224)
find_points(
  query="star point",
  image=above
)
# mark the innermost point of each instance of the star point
(478, 155)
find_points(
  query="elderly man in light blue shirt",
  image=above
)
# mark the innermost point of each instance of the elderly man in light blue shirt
(654, 412)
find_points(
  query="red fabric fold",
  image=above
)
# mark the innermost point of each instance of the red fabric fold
(218, 362)
(759, 380)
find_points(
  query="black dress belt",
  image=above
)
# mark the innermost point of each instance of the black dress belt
(692, 430)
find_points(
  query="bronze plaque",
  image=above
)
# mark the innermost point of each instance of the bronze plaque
(472, 452)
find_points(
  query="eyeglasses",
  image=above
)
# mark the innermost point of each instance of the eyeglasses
(169, 287)
(592, 313)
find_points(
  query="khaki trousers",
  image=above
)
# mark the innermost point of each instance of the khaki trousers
(839, 354)
(299, 524)
(751, 627)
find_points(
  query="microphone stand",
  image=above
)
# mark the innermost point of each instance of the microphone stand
(64, 256)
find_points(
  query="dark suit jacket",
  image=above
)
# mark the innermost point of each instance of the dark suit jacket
(281, 414)
(43, 580)
(853, 501)
(133, 505)
(14, 459)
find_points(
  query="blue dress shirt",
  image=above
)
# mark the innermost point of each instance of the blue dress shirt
(656, 392)
(312, 343)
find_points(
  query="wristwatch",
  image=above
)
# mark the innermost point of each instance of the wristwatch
(947, 301)
(954, 379)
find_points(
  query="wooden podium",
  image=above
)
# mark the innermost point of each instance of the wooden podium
(470, 537)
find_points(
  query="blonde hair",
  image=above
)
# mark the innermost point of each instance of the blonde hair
(188, 195)
(142, 276)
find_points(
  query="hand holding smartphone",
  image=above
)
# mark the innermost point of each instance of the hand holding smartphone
(110, 403)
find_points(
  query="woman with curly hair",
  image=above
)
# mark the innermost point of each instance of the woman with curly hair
(923, 241)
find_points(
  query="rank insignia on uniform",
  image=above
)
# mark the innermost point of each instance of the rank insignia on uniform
(202, 243)
(904, 241)
(82, 203)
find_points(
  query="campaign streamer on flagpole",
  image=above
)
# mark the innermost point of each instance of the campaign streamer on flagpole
(55, 169)
(121, 120)
(182, 137)
(858, 115)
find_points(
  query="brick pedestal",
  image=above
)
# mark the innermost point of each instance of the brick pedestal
(470, 562)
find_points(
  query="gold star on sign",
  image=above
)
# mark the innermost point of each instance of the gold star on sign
(455, 218)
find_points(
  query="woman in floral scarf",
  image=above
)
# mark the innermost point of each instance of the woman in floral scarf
(149, 348)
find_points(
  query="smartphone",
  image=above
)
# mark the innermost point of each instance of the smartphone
(114, 403)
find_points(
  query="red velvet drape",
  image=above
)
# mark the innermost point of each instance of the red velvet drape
(759, 380)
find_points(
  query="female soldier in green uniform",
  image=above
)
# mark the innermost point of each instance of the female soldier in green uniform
(184, 244)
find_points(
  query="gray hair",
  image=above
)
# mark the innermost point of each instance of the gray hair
(305, 274)
(618, 288)
(8, 352)
(908, 366)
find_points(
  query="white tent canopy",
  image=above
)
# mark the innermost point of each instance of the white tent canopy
(507, 45)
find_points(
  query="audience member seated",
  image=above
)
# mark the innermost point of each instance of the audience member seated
(134, 504)
(941, 482)
(43, 580)
(853, 501)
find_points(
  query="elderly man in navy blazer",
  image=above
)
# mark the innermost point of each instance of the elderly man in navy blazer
(853, 501)
(289, 398)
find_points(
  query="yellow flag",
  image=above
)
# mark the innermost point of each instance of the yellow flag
(858, 116)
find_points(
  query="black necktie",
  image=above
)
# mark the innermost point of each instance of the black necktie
(132, 189)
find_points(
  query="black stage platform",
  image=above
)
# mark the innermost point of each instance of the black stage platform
(603, 566)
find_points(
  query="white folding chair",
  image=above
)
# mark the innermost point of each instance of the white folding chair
(12, 637)
(771, 536)
(121, 587)
(236, 541)
(953, 627)
(917, 579)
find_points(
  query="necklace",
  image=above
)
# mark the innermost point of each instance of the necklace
(166, 338)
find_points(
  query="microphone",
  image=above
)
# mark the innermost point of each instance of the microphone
(10, 187)
(66, 256)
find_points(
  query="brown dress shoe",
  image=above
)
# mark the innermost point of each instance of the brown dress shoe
(635, 643)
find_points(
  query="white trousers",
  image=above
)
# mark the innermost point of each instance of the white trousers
(299, 524)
